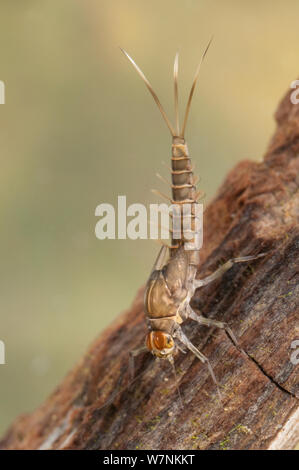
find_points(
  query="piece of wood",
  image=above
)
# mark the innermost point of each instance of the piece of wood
(256, 210)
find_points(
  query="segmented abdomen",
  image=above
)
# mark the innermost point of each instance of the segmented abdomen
(183, 187)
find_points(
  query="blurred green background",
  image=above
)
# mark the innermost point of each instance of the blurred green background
(79, 128)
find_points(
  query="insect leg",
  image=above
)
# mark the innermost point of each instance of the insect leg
(225, 267)
(183, 338)
(160, 259)
(133, 354)
(211, 322)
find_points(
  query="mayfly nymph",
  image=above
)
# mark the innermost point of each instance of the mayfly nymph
(172, 282)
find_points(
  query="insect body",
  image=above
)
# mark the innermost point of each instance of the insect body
(172, 282)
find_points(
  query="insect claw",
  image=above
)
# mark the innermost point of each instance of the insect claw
(249, 258)
(261, 255)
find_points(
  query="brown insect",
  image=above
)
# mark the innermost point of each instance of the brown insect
(172, 282)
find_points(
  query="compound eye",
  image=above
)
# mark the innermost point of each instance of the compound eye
(158, 340)
(155, 340)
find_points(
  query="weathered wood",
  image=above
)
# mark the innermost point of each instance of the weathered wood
(256, 210)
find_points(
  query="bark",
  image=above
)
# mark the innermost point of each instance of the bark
(256, 210)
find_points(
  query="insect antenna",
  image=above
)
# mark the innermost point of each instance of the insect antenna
(171, 360)
(193, 87)
(149, 86)
(123, 389)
